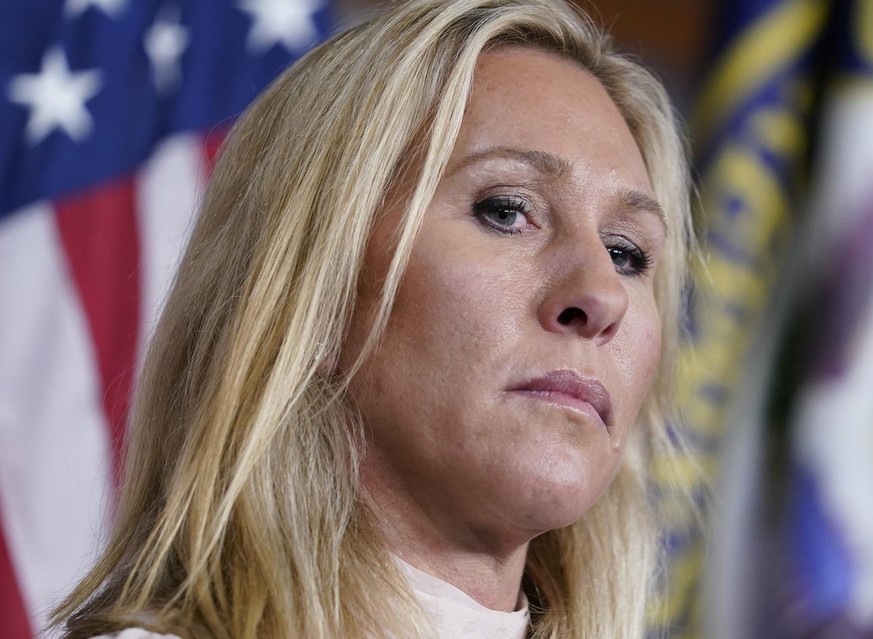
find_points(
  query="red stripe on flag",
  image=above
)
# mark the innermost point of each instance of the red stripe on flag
(212, 146)
(13, 615)
(100, 236)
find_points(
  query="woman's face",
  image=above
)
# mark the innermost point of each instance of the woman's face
(525, 335)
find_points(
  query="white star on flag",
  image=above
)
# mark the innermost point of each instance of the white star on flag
(165, 42)
(56, 97)
(74, 8)
(286, 22)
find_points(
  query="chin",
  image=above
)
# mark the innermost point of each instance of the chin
(557, 504)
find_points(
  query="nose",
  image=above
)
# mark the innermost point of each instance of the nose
(586, 296)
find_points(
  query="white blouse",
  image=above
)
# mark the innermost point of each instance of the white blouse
(456, 615)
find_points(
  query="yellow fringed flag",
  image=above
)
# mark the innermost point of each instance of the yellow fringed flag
(750, 134)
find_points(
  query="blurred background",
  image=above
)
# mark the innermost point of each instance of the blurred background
(112, 111)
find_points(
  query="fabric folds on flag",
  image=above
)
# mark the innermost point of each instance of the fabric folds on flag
(110, 116)
(751, 138)
(829, 510)
(777, 381)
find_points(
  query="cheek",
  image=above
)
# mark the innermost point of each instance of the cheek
(457, 301)
(445, 317)
(650, 347)
(639, 352)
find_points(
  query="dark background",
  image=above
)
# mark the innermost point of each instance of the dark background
(671, 37)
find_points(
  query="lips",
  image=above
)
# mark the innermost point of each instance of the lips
(568, 388)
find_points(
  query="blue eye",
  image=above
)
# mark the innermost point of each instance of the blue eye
(503, 214)
(628, 258)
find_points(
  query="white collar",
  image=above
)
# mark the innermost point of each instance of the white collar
(456, 615)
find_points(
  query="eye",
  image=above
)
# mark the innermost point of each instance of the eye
(628, 258)
(503, 214)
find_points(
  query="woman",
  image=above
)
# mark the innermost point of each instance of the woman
(412, 374)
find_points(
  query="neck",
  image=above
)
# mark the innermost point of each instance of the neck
(485, 566)
(493, 584)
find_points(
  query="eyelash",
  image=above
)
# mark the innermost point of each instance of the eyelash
(641, 261)
(496, 205)
(617, 247)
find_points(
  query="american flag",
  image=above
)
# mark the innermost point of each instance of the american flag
(111, 112)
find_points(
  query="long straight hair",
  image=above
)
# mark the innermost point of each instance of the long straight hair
(240, 514)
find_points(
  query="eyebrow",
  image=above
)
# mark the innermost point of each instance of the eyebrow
(545, 163)
(634, 200)
(558, 168)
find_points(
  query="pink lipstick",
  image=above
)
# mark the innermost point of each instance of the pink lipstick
(568, 388)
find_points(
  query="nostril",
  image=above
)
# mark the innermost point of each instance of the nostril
(572, 315)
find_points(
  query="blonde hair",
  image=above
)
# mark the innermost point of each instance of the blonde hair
(239, 513)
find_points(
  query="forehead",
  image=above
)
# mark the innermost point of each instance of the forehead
(528, 98)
